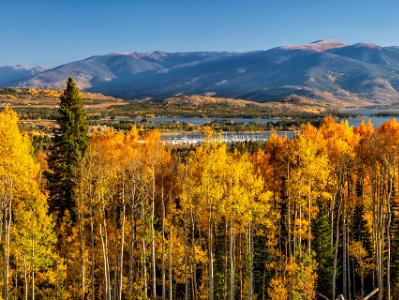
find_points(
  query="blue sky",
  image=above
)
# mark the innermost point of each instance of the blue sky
(53, 32)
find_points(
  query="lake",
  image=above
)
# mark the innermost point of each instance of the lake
(197, 138)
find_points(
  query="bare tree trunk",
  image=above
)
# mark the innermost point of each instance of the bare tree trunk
(25, 280)
(210, 253)
(389, 237)
(82, 256)
(346, 232)
(6, 260)
(250, 253)
(144, 251)
(163, 246)
(309, 218)
(170, 264)
(105, 262)
(344, 256)
(379, 238)
(132, 240)
(194, 262)
(93, 256)
(107, 259)
(289, 242)
(336, 248)
(186, 255)
(232, 261)
(115, 268)
(122, 250)
(225, 260)
(122, 238)
(7, 227)
(154, 275)
(33, 267)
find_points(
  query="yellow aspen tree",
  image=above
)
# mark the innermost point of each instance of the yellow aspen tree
(26, 227)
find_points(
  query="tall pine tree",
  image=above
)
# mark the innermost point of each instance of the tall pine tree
(322, 246)
(70, 142)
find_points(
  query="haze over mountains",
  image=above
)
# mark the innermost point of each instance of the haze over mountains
(326, 70)
(9, 75)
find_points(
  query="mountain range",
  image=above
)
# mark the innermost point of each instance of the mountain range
(325, 70)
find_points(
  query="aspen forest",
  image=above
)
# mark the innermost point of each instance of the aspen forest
(107, 214)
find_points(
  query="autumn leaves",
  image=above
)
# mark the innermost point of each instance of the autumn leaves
(317, 213)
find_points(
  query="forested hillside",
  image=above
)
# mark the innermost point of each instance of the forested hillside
(119, 215)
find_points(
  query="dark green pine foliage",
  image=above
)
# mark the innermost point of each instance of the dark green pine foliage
(322, 247)
(360, 233)
(220, 256)
(262, 274)
(70, 142)
(395, 248)
(359, 230)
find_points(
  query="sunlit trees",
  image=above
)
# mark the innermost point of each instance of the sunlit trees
(27, 236)
(226, 200)
(314, 215)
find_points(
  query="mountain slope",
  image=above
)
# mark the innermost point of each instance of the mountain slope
(11, 74)
(327, 71)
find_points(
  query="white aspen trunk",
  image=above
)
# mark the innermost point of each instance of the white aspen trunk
(186, 254)
(163, 245)
(194, 260)
(25, 280)
(92, 251)
(389, 236)
(82, 262)
(122, 238)
(105, 262)
(133, 239)
(33, 267)
(232, 263)
(289, 212)
(335, 260)
(154, 275)
(379, 251)
(210, 248)
(5, 279)
(170, 264)
(344, 256)
(250, 253)
(144, 252)
(309, 219)
(108, 273)
(226, 275)
(7, 223)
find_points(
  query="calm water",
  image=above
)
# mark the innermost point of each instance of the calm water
(197, 138)
(369, 114)
(365, 115)
(202, 121)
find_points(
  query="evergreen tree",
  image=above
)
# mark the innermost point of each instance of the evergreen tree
(395, 249)
(322, 246)
(70, 142)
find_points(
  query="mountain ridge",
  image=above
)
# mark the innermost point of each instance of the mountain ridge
(325, 70)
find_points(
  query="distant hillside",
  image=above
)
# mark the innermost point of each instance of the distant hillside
(326, 71)
(33, 97)
(292, 104)
(11, 74)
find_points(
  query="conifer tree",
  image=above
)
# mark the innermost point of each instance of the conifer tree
(70, 142)
(395, 249)
(322, 246)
